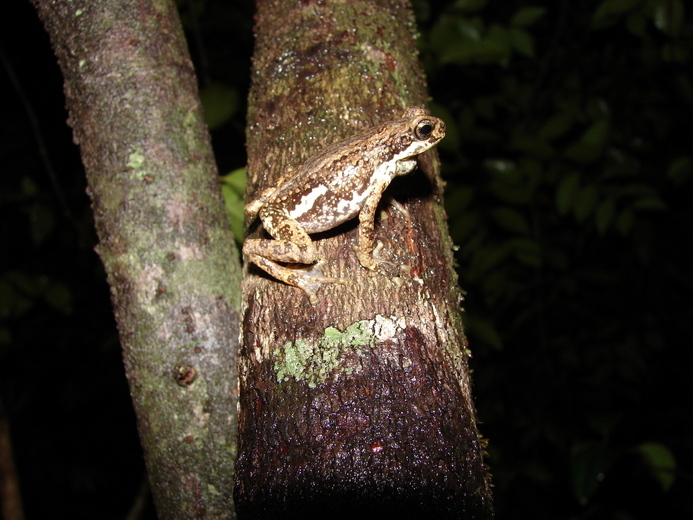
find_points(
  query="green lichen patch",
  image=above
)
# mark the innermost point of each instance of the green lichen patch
(312, 362)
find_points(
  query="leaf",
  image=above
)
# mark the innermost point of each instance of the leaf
(585, 202)
(661, 462)
(484, 51)
(236, 180)
(452, 31)
(527, 16)
(590, 146)
(669, 17)
(522, 42)
(470, 5)
(637, 23)
(510, 219)
(597, 133)
(220, 102)
(624, 222)
(609, 11)
(59, 296)
(566, 192)
(483, 330)
(232, 189)
(680, 170)
(28, 186)
(458, 199)
(534, 146)
(649, 203)
(526, 251)
(42, 222)
(557, 125)
(589, 463)
(604, 214)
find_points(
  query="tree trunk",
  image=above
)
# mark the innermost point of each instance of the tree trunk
(359, 406)
(164, 238)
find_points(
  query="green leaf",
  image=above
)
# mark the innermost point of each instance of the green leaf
(487, 258)
(233, 189)
(675, 52)
(522, 42)
(557, 125)
(220, 102)
(637, 23)
(526, 251)
(534, 146)
(661, 462)
(649, 203)
(597, 133)
(452, 31)
(29, 186)
(605, 214)
(462, 226)
(566, 192)
(42, 222)
(59, 296)
(484, 51)
(482, 329)
(585, 202)
(458, 199)
(680, 170)
(624, 222)
(609, 11)
(590, 146)
(510, 219)
(589, 463)
(527, 16)
(470, 6)
(669, 17)
(235, 180)
(507, 188)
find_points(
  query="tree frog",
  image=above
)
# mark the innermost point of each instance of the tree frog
(342, 181)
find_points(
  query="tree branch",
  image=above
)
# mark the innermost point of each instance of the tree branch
(164, 238)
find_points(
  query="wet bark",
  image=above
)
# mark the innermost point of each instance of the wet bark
(359, 406)
(164, 238)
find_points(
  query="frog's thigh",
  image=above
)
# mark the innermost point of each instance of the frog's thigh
(292, 243)
(278, 251)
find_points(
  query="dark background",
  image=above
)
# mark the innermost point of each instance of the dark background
(569, 162)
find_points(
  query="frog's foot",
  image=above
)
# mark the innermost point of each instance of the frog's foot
(401, 209)
(391, 269)
(310, 278)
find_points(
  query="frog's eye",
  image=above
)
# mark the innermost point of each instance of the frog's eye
(423, 129)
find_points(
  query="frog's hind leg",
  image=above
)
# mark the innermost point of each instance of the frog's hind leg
(293, 245)
(308, 279)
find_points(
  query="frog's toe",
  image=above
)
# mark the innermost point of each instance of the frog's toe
(311, 279)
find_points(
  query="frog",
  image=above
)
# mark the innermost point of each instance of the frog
(343, 181)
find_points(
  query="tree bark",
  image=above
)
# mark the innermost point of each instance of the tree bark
(361, 405)
(164, 238)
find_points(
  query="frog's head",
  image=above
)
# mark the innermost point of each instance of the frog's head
(421, 132)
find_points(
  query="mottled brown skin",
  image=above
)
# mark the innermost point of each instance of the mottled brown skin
(342, 181)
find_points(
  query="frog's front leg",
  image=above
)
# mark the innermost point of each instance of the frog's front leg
(366, 232)
(292, 245)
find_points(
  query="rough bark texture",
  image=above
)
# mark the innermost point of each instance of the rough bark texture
(359, 407)
(164, 238)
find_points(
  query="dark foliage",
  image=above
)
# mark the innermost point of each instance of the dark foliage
(569, 172)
